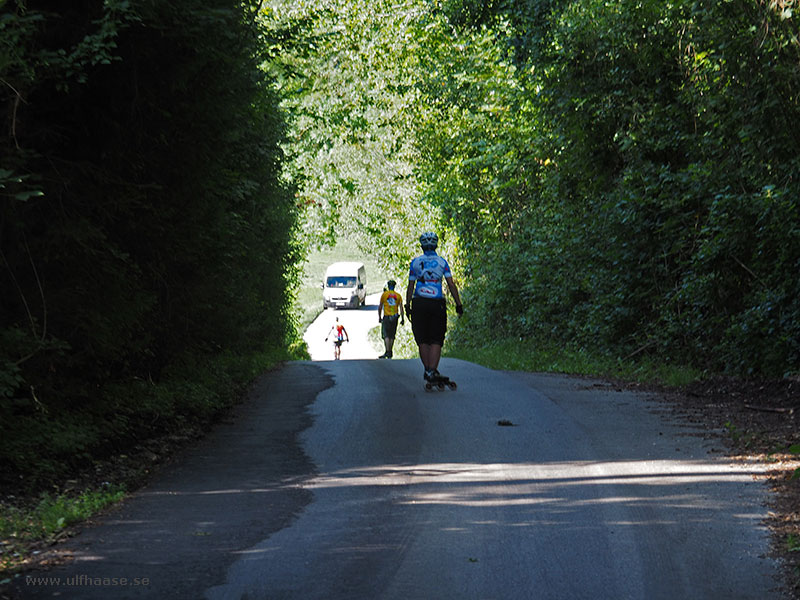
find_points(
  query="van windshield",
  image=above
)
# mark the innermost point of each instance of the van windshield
(341, 282)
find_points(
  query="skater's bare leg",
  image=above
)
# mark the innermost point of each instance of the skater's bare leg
(430, 354)
(435, 356)
(424, 352)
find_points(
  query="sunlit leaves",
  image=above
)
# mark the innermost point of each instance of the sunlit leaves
(596, 191)
(626, 167)
(350, 102)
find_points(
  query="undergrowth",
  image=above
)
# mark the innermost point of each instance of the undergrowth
(527, 355)
(46, 521)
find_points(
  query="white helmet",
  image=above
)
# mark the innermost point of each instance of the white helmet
(428, 241)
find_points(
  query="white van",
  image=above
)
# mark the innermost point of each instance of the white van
(345, 285)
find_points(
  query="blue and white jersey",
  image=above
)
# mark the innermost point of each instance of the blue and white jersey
(428, 271)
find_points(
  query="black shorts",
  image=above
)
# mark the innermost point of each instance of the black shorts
(429, 320)
(389, 326)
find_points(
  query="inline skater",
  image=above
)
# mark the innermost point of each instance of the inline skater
(390, 309)
(425, 303)
(340, 333)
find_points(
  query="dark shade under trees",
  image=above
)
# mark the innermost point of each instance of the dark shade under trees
(147, 240)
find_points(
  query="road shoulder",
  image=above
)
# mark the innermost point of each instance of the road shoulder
(238, 485)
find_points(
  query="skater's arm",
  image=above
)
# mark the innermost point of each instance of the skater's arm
(451, 285)
(410, 291)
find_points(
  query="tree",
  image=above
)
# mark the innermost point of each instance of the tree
(146, 233)
(349, 82)
(652, 163)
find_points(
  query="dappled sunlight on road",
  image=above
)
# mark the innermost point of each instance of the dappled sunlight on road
(618, 493)
(652, 472)
(568, 529)
(559, 486)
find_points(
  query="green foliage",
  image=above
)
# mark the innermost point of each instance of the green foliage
(347, 81)
(617, 175)
(48, 518)
(528, 355)
(629, 171)
(404, 345)
(145, 232)
(792, 543)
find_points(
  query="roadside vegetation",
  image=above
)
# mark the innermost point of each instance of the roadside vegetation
(618, 176)
(404, 345)
(148, 245)
(526, 355)
(616, 184)
(26, 530)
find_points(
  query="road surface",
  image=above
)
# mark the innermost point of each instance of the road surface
(346, 480)
(357, 322)
(591, 493)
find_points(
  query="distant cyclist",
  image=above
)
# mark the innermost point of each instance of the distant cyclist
(341, 333)
(390, 310)
(425, 303)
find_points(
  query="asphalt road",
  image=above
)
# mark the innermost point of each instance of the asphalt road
(591, 493)
(357, 322)
(345, 479)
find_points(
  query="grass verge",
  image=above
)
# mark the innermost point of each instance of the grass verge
(527, 355)
(24, 530)
(404, 345)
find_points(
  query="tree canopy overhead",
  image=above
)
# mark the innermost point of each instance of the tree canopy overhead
(621, 175)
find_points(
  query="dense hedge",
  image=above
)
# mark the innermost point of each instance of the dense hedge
(146, 237)
(624, 175)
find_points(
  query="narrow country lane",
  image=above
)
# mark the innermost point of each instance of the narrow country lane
(357, 322)
(590, 494)
(346, 480)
